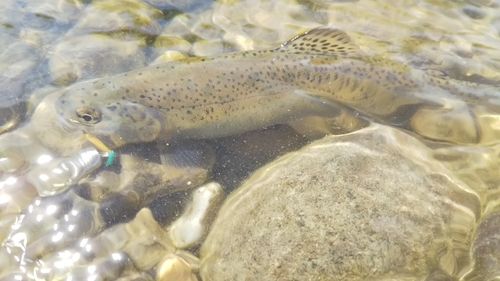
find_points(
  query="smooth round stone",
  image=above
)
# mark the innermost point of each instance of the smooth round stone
(173, 267)
(10, 17)
(366, 204)
(121, 18)
(169, 48)
(90, 56)
(486, 249)
(169, 56)
(207, 48)
(188, 230)
(183, 5)
(62, 11)
(16, 65)
(473, 12)
(55, 176)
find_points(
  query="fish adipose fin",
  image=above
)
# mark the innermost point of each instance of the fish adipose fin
(325, 40)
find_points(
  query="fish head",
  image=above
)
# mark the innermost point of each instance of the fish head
(114, 121)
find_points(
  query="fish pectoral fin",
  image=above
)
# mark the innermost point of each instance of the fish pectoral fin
(436, 73)
(325, 40)
(320, 98)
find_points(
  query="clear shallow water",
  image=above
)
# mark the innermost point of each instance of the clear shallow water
(58, 43)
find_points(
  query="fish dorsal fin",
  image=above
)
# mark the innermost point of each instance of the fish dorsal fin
(325, 40)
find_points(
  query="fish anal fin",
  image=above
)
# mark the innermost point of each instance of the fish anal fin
(325, 40)
(311, 127)
(186, 161)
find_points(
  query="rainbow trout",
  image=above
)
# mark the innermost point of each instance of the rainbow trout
(198, 98)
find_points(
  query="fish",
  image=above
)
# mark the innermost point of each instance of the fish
(318, 73)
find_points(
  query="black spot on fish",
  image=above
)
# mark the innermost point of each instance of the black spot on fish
(127, 91)
(142, 96)
(82, 101)
(95, 94)
(112, 108)
(140, 73)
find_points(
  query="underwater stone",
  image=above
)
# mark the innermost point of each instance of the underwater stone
(206, 48)
(90, 56)
(193, 225)
(370, 203)
(173, 267)
(57, 175)
(474, 12)
(183, 5)
(118, 18)
(16, 65)
(486, 249)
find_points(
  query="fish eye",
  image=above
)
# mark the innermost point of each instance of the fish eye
(88, 115)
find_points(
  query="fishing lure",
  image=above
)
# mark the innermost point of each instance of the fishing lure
(110, 154)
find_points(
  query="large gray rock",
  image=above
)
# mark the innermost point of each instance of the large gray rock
(370, 204)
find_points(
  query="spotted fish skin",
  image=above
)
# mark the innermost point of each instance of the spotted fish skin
(232, 93)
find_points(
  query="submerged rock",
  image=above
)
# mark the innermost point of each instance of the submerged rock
(486, 249)
(90, 56)
(63, 12)
(370, 203)
(183, 5)
(17, 64)
(56, 228)
(122, 18)
(10, 18)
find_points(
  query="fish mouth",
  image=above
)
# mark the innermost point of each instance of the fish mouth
(71, 126)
